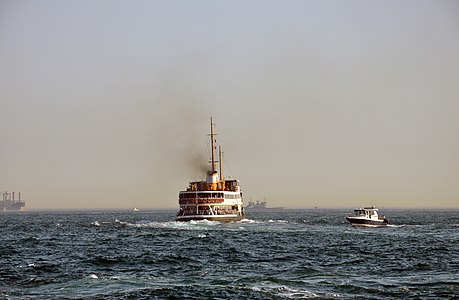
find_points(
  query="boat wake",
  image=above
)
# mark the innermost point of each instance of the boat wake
(204, 222)
(241, 225)
(278, 221)
(250, 221)
(192, 225)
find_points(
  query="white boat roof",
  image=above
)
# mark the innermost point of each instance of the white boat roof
(367, 209)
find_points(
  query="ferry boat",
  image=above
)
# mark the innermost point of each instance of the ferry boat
(367, 217)
(213, 199)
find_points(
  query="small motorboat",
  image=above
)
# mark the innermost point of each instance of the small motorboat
(367, 217)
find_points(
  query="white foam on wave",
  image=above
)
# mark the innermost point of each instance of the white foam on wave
(192, 225)
(282, 221)
(242, 225)
(284, 291)
(152, 224)
(292, 293)
(262, 222)
(204, 222)
(395, 226)
(250, 221)
(278, 221)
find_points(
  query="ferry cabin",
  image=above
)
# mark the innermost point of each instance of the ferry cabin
(214, 199)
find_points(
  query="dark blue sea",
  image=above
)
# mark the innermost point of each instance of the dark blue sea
(289, 254)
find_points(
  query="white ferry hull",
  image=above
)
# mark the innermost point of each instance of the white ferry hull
(219, 218)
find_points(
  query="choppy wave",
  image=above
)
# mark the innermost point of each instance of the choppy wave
(287, 255)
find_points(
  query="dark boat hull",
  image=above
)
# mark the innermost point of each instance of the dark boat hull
(362, 222)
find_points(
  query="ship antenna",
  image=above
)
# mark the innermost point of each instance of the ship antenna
(220, 159)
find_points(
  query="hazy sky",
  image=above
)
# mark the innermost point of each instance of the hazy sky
(106, 104)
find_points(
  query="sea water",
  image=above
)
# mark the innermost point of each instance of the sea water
(288, 254)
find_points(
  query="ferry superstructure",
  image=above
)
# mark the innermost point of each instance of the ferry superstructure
(213, 199)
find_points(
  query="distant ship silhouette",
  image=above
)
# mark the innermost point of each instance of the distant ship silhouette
(9, 203)
(261, 206)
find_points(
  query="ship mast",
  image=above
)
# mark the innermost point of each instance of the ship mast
(212, 144)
